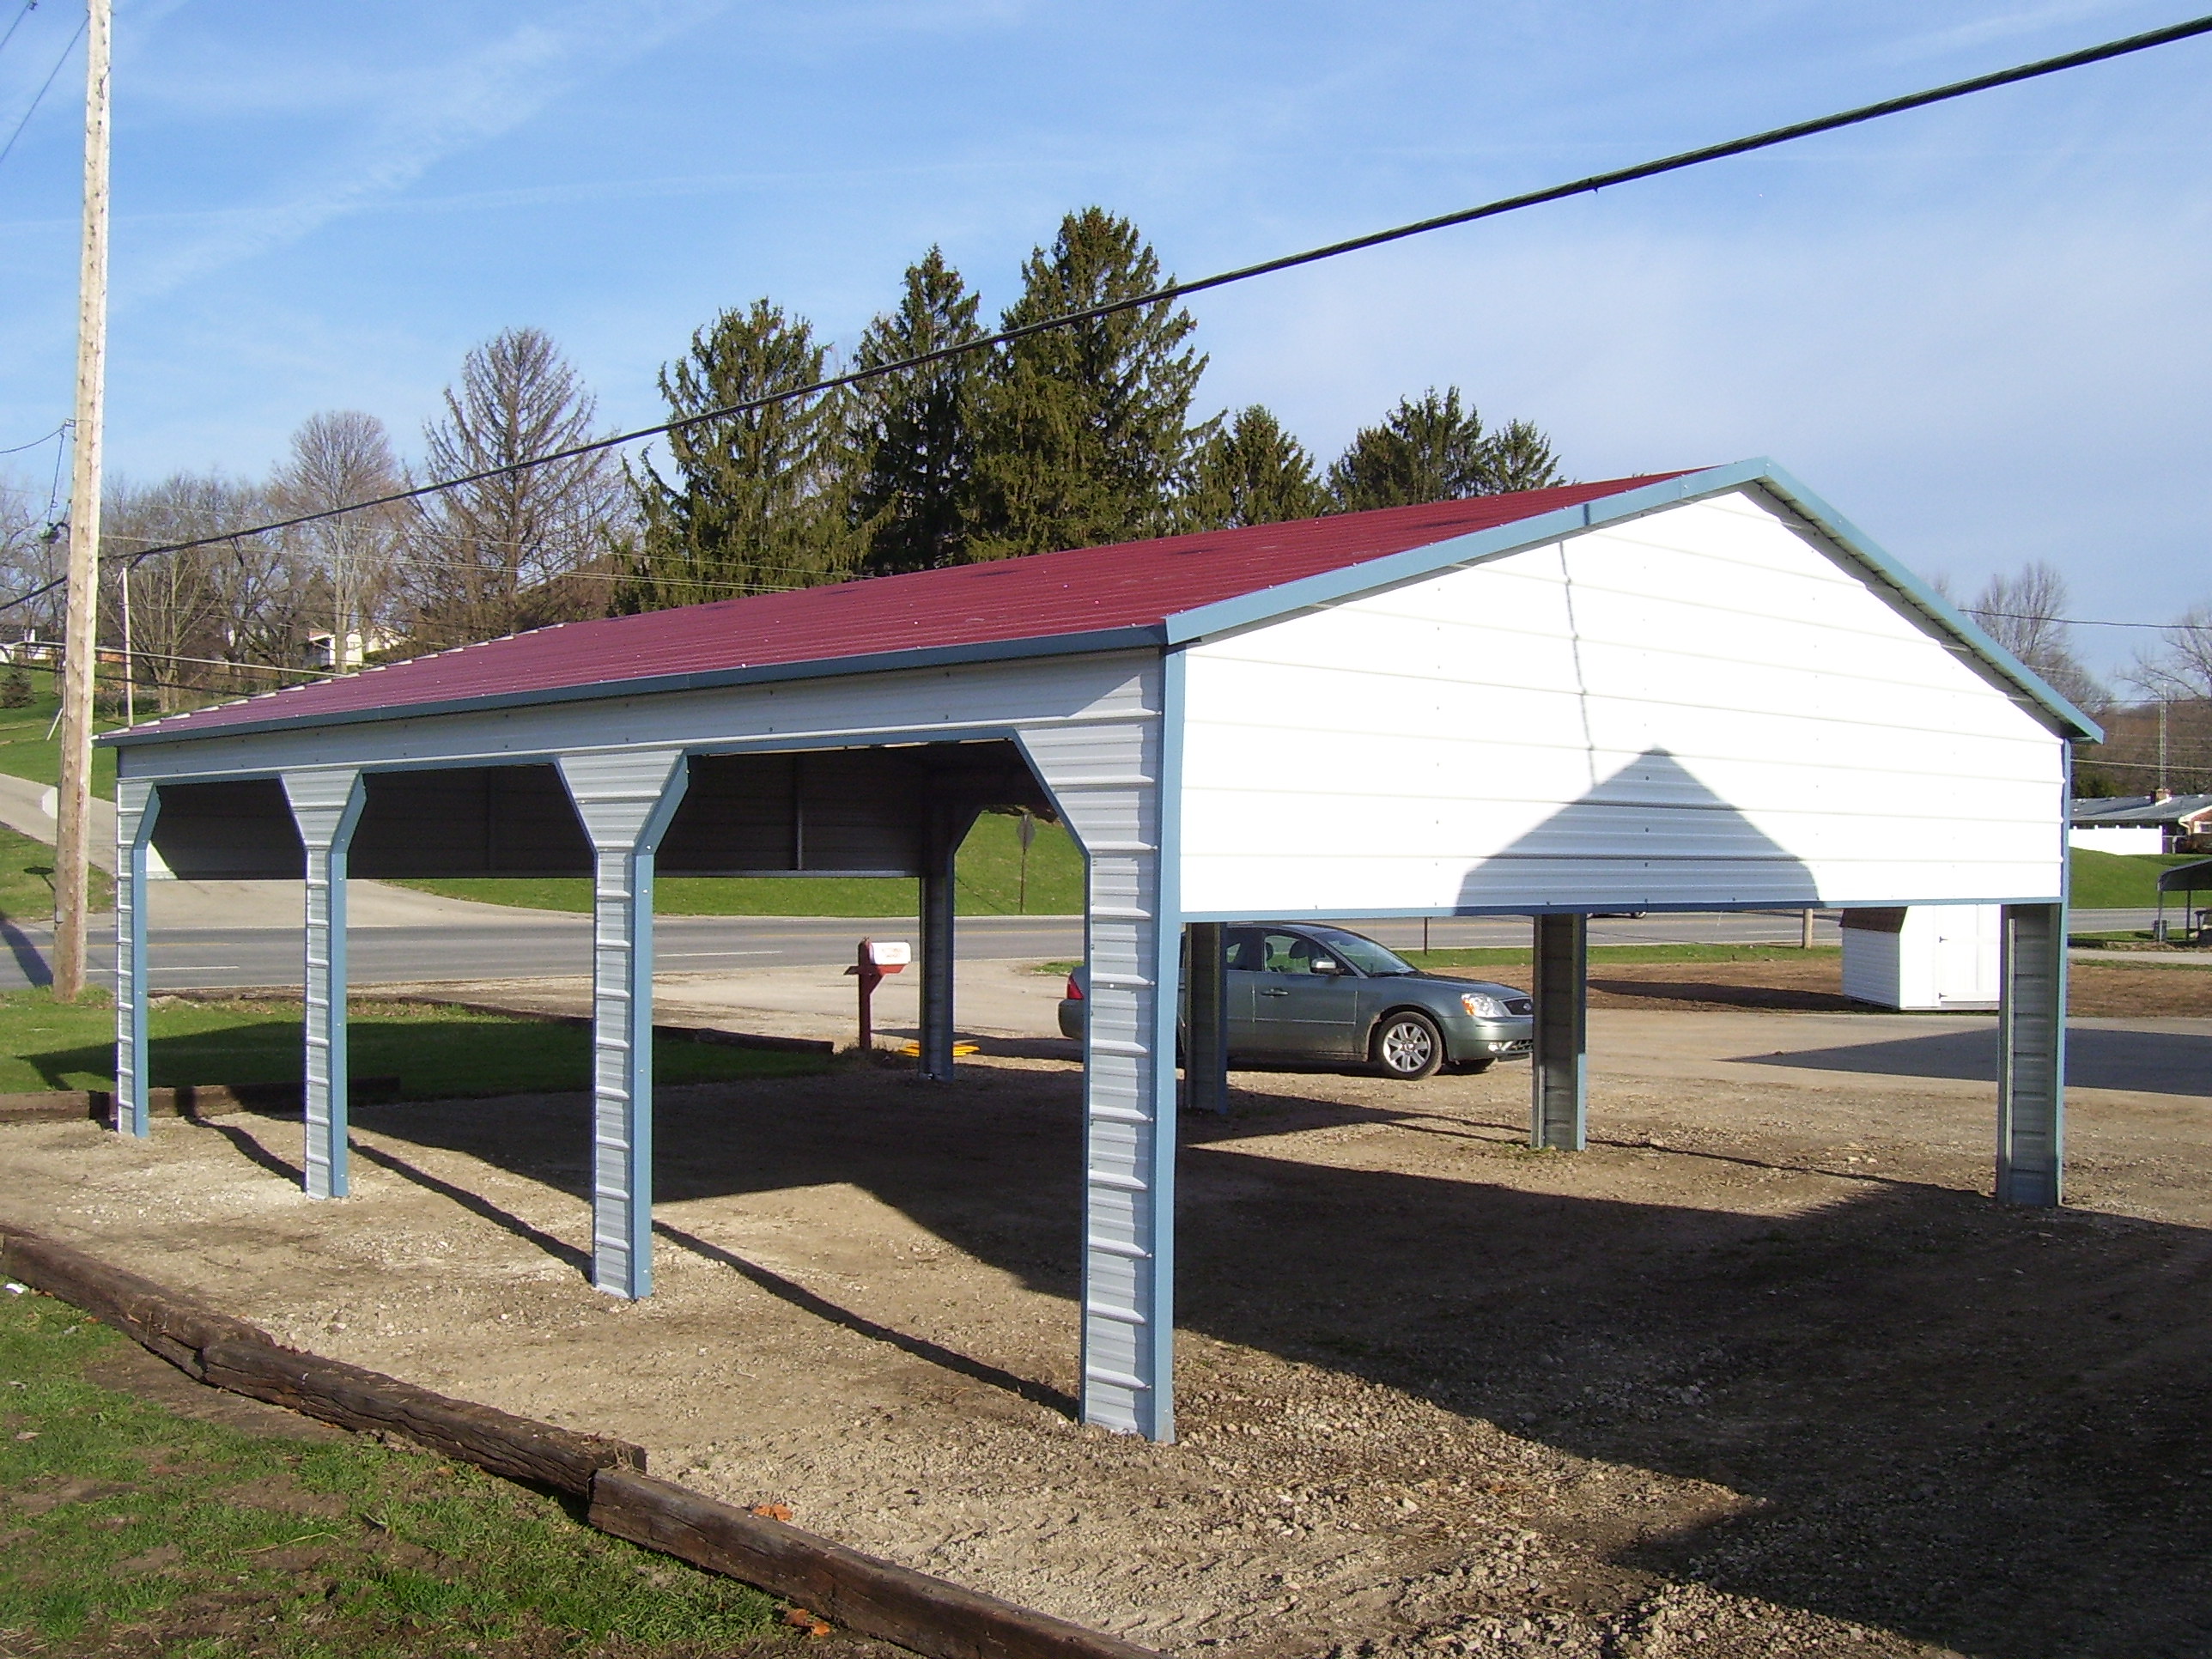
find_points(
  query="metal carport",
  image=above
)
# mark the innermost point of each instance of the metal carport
(1703, 692)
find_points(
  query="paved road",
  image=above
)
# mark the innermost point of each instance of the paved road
(533, 943)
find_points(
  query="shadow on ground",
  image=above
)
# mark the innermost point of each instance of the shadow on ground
(1980, 1426)
(2161, 1062)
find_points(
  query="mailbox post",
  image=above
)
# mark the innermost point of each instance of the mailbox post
(878, 957)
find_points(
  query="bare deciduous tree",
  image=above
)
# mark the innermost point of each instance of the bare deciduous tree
(338, 458)
(2027, 614)
(518, 551)
(244, 603)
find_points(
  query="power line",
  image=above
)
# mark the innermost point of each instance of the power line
(36, 442)
(2073, 621)
(44, 87)
(1173, 291)
(29, 6)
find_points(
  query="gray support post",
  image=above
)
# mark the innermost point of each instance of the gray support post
(2032, 1056)
(625, 799)
(326, 803)
(1205, 1035)
(138, 803)
(937, 965)
(1115, 785)
(1560, 1084)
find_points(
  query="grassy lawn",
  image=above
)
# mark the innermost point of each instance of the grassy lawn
(131, 1529)
(2121, 881)
(27, 880)
(26, 751)
(988, 883)
(435, 1053)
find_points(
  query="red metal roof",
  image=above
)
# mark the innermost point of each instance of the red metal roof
(1045, 597)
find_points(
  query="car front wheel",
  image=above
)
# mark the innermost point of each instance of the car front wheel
(1407, 1045)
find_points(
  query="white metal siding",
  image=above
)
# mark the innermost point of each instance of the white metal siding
(2124, 838)
(1697, 706)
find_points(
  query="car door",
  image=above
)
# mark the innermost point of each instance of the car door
(1295, 1010)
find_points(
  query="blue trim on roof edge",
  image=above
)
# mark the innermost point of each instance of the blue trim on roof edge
(1371, 575)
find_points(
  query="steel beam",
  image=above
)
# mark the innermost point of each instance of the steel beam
(947, 829)
(1206, 1032)
(2032, 1056)
(625, 798)
(138, 803)
(327, 804)
(1560, 1084)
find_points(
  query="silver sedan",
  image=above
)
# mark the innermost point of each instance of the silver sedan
(1299, 991)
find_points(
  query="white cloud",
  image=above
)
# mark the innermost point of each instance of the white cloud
(415, 121)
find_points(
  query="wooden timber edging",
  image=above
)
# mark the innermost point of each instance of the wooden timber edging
(861, 1592)
(229, 1354)
(187, 1100)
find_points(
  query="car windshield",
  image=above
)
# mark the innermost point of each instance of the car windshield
(1364, 954)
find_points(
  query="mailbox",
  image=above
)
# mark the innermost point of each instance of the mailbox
(890, 955)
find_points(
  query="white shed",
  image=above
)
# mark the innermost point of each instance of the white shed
(1701, 691)
(1928, 957)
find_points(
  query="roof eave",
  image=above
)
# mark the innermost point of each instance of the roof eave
(880, 662)
(1375, 574)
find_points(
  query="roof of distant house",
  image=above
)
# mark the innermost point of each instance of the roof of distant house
(2117, 812)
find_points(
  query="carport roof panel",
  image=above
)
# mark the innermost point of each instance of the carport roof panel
(1096, 598)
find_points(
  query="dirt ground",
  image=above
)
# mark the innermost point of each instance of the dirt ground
(2094, 988)
(1764, 1371)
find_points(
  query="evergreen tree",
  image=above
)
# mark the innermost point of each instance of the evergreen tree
(1434, 449)
(760, 499)
(1253, 472)
(1522, 458)
(914, 431)
(1083, 435)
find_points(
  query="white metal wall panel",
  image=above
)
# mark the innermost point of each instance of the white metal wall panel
(1699, 706)
(2130, 840)
(919, 705)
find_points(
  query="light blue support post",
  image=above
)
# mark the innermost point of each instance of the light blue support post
(138, 803)
(1116, 787)
(326, 804)
(626, 799)
(1560, 1075)
(2032, 1056)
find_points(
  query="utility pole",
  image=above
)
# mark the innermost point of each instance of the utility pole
(72, 845)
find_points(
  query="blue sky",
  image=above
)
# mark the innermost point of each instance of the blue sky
(1980, 332)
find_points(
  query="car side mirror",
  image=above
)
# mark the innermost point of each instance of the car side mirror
(1326, 965)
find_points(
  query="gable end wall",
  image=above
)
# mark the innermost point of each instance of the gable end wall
(1704, 706)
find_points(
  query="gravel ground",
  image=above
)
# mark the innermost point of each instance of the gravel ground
(1764, 1371)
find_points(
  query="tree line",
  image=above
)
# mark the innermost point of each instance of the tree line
(1074, 437)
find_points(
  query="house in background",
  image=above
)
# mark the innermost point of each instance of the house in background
(2164, 822)
(322, 652)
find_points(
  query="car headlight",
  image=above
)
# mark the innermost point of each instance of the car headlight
(1481, 1007)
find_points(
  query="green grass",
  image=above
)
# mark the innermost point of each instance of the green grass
(2121, 881)
(988, 883)
(27, 879)
(435, 1053)
(26, 751)
(128, 1528)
